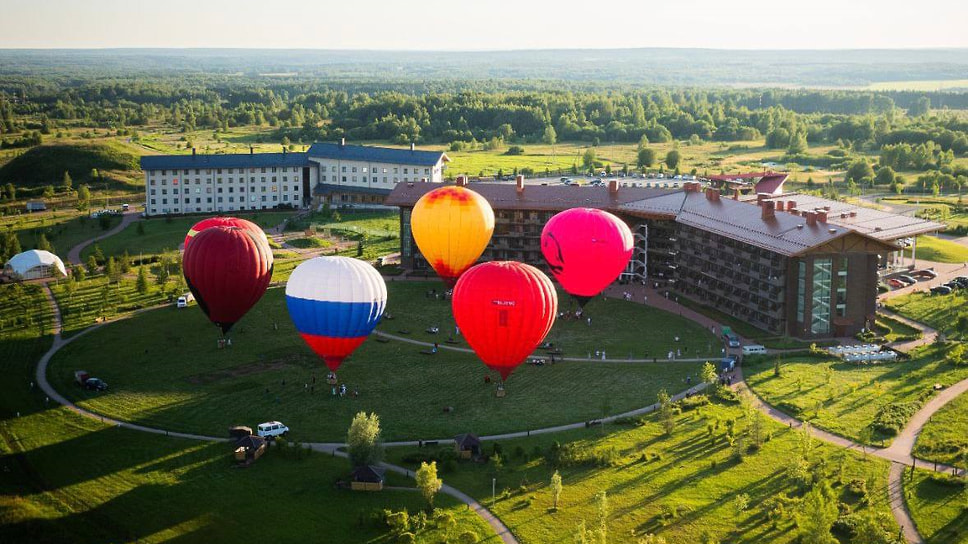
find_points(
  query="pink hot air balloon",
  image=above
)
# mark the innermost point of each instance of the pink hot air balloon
(586, 250)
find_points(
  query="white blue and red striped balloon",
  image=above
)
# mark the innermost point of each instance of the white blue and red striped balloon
(335, 303)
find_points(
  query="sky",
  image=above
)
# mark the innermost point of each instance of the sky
(484, 24)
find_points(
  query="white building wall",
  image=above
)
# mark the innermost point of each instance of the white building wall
(213, 190)
(373, 174)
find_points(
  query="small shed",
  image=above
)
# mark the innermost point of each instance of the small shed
(249, 448)
(36, 206)
(368, 478)
(467, 446)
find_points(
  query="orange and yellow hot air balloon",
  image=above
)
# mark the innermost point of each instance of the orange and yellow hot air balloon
(452, 226)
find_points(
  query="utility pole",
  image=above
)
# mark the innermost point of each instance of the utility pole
(493, 489)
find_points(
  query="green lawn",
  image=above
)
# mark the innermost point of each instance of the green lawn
(945, 437)
(96, 298)
(63, 229)
(90, 483)
(677, 487)
(893, 330)
(844, 398)
(938, 506)
(941, 312)
(931, 248)
(622, 329)
(165, 369)
(309, 242)
(744, 329)
(162, 234)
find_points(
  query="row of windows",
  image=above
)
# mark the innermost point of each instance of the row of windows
(230, 170)
(376, 170)
(208, 181)
(208, 190)
(371, 179)
(208, 200)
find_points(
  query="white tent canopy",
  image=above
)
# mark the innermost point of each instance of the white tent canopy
(35, 264)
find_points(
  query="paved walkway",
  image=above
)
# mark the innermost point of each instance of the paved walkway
(130, 216)
(928, 335)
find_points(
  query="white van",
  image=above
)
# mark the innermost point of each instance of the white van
(754, 349)
(272, 429)
(185, 300)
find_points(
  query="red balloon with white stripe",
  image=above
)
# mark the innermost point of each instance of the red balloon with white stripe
(228, 270)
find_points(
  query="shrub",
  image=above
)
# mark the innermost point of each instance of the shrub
(515, 150)
(398, 522)
(468, 537)
(407, 538)
(892, 417)
(693, 402)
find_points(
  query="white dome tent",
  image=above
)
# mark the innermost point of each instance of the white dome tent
(34, 264)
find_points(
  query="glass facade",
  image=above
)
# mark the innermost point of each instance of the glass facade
(405, 232)
(801, 290)
(820, 309)
(842, 287)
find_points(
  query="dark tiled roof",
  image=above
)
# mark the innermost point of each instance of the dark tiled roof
(504, 196)
(324, 189)
(786, 234)
(877, 224)
(368, 473)
(366, 153)
(235, 160)
(467, 441)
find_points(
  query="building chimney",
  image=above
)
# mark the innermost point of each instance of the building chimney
(812, 218)
(412, 146)
(519, 183)
(822, 216)
(760, 197)
(712, 195)
(779, 205)
(613, 187)
(342, 142)
(767, 210)
(791, 205)
(462, 181)
(193, 152)
(736, 194)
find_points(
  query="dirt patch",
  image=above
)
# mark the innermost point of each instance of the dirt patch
(241, 370)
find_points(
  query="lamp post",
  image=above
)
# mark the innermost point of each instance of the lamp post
(493, 489)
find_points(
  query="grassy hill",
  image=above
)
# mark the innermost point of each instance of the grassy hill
(46, 164)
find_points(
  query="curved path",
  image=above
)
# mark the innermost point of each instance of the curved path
(496, 524)
(74, 256)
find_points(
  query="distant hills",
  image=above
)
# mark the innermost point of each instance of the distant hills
(692, 67)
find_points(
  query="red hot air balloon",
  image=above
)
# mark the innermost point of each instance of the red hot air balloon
(224, 222)
(586, 249)
(228, 270)
(504, 310)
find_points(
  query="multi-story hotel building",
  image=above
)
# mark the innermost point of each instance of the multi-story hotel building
(789, 264)
(334, 172)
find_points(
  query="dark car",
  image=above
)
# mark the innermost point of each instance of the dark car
(941, 290)
(96, 384)
(907, 279)
(732, 340)
(962, 281)
(953, 285)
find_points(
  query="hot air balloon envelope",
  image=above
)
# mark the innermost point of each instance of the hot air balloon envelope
(586, 250)
(228, 270)
(504, 310)
(225, 222)
(335, 303)
(452, 226)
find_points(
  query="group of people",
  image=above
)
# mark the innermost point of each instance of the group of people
(224, 342)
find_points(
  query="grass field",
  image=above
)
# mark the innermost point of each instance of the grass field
(622, 329)
(96, 298)
(88, 483)
(939, 312)
(844, 398)
(931, 248)
(63, 228)
(678, 487)
(165, 369)
(161, 234)
(938, 506)
(944, 438)
(920, 85)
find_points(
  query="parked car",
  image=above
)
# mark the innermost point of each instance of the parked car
(954, 286)
(926, 273)
(727, 363)
(961, 283)
(907, 279)
(754, 349)
(732, 340)
(272, 429)
(125, 207)
(896, 283)
(961, 279)
(941, 290)
(185, 300)
(96, 384)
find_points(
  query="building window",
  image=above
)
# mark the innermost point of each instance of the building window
(820, 309)
(405, 232)
(842, 287)
(801, 290)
